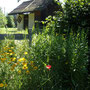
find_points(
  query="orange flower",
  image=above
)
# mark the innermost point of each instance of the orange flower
(1, 85)
(3, 59)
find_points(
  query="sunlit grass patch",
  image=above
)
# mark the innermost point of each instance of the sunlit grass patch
(12, 31)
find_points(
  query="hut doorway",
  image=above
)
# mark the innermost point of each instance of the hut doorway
(25, 21)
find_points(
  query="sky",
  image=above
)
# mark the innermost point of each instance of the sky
(8, 5)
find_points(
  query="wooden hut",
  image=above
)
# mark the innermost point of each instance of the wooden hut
(32, 10)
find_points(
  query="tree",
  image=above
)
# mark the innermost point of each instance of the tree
(10, 21)
(3, 20)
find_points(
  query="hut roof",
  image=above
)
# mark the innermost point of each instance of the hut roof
(30, 6)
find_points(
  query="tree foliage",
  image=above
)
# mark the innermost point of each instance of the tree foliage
(10, 21)
(3, 20)
(75, 14)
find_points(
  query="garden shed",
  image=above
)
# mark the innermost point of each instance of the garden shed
(31, 10)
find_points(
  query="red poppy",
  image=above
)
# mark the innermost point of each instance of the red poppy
(48, 66)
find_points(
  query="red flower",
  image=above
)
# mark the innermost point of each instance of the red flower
(48, 66)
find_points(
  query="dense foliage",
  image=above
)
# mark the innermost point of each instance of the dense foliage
(75, 14)
(3, 20)
(56, 59)
(10, 21)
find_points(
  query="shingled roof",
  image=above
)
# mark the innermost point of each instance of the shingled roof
(30, 6)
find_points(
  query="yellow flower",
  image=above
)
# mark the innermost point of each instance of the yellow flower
(13, 59)
(15, 54)
(11, 53)
(25, 53)
(24, 64)
(7, 53)
(35, 68)
(10, 50)
(1, 84)
(21, 59)
(24, 67)
(12, 69)
(19, 71)
(27, 72)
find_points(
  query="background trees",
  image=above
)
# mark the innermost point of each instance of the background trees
(10, 21)
(6, 20)
(3, 20)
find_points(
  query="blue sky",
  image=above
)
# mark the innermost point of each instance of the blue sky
(8, 5)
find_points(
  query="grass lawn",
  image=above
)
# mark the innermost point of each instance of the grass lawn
(12, 31)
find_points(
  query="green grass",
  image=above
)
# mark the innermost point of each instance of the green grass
(12, 31)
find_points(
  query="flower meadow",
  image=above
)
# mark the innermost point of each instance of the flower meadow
(51, 62)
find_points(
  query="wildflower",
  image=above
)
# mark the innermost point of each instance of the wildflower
(35, 67)
(13, 59)
(3, 59)
(25, 53)
(19, 71)
(11, 54)
(1, 84)
(24, 64)
(48, 66)
(24, 67)
(12, 69)
(15, 54)
(7, 53)
(10, 50)
(27, 72)
(21, 59)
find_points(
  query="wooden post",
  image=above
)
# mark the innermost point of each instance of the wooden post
(30, 35)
